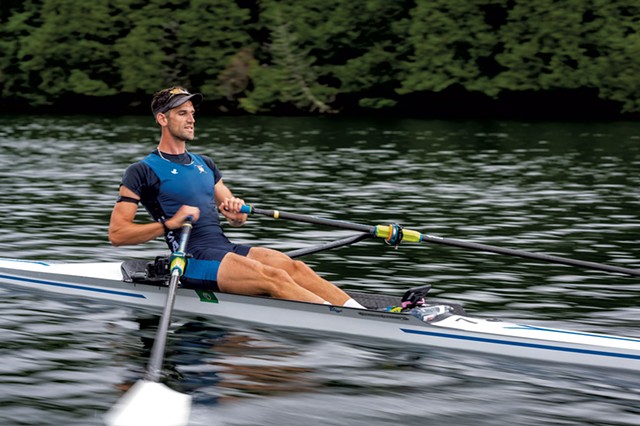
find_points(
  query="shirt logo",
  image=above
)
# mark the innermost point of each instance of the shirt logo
(201, 169)
(174, 172)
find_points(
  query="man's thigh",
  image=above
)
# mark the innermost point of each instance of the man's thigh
(242, 275)
(270, 257)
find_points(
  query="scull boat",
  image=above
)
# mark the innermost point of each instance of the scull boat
(133, 282)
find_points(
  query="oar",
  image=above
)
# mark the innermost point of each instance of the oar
(328, 246)
(394, 234)
(149, 402)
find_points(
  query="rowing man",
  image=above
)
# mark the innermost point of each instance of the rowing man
(173, 184)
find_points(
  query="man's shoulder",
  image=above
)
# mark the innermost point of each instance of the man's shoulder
(139, 173)
(139, 167)
(204, 157)
(207, 160)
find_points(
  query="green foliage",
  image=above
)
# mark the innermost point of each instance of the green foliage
(449, 42)
(17, 26)
(181, 42)
(573, 44)
(493, 46)
(319, 49)
(65, 47)
(147, 57)
(317, 55)
(291, 76)
(611, 45)
(542, 46)
(376, 103)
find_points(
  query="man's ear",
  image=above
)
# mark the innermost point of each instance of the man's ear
(161, 119)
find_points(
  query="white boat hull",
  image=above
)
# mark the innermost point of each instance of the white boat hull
(103, 281)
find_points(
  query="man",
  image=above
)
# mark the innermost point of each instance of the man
(173, 184)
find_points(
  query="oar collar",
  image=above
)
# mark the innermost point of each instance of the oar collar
(395, 235)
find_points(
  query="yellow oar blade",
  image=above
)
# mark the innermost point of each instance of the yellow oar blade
(150, 403)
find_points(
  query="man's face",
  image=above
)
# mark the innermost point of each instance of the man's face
(181, 121)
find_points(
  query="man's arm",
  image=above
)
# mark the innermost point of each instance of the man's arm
(122, 230)
(229, 205)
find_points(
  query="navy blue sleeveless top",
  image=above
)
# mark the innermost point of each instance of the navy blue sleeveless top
(164, 186)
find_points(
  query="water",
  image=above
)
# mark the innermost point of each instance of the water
(569, 189)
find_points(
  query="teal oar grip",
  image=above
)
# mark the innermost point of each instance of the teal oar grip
(248, 209)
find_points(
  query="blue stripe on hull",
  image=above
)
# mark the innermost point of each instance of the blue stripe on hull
(75, 287)
(522, 344)
(575, 333)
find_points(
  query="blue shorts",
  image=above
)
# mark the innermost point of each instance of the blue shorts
(202, 268)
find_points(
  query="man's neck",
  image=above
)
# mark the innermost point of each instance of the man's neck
(172, 146)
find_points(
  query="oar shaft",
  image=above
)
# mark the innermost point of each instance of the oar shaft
(385, 231)
(328, 246)
(178, 264)
(529, 255)
(157, 352)
(276, 214)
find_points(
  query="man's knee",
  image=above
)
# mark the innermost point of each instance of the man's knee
(274, 275)
(298, 266)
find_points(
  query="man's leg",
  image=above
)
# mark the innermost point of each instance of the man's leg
(302, 274)
(244, 275)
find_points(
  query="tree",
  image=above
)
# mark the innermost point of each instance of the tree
(541, 46)
(450, 41)
(611, 51)
(64, 47)
(320, 50)
(17, 23)
(183, 42)
(289, 75)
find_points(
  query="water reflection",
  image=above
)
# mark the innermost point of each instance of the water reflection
(243, 365)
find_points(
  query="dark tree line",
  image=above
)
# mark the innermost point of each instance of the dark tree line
(321, 56)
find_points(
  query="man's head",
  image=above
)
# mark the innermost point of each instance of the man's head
(167, 99)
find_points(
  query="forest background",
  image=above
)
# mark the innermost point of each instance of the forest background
(418, 58)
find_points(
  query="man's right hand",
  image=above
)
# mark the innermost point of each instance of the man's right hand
(181, 216)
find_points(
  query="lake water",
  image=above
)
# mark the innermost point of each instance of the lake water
(569, 189)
